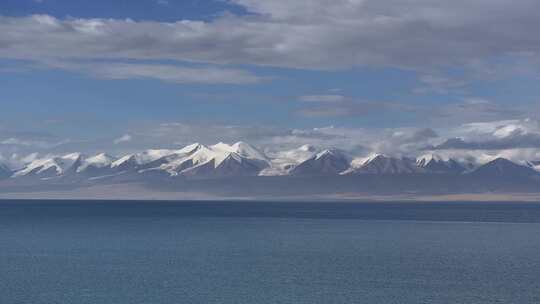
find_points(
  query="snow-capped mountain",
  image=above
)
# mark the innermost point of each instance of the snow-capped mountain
(283, 161)
(198, 162)
(535, 164)
(224, 169)
(502, 167)
(96, 165)
(133, 162)
(51, 167)
(97, 161)
(382, 164)
(221, 159)
(436, 164)
(327, 162)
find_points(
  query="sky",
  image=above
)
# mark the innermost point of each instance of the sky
(385, 76)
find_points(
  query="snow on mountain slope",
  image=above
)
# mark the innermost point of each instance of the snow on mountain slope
(326, 162)
(192, 156)
(436, 164)
(241, 159)
(241, 148)
(425, 160)
(50, 167)
(382, 164)
(231, 165)
(534, 164)
(502, 167)
(189, 148)
(283, 161)
(98, 161)
(219, 160)
(132, 161)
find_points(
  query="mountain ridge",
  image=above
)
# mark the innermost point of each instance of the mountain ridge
(237, 167)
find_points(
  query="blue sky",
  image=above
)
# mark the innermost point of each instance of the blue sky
(77, 73)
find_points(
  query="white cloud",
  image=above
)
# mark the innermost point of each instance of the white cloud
(482, 141)
(474, 109)
(31, 142)
(314, 34)
(440, 84)
(162, 72)
(123, 139)
(323, 98)
(327, 106)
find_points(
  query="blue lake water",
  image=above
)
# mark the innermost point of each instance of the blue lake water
(240, 252)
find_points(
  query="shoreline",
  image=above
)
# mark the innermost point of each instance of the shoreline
(134, 192)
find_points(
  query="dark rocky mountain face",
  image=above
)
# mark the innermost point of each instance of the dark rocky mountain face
(501, 167)
(324, 163)
(230, 168)
(389, 165)
(440, 166)
(5, 172)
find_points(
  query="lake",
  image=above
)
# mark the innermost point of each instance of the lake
(268, 252)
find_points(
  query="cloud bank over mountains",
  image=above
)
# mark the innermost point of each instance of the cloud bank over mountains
(241, 170)
(517, 140)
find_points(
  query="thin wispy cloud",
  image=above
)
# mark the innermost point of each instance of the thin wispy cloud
(123, 139)
(166, 73)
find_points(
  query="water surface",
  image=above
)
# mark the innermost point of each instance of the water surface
(207, 252)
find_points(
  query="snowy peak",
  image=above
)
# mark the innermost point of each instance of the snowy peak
(190, 148)
(200, 160)
(534, 165)
(282, 162)
(241, 159)
(242, 149)
(502, 167)
(132, 161)
(248, 151)
(326, 162)
(330, 153)
(427, 159)
(101, 160)
(436, 164)
(125, 161)
(51, 167)
(382, 164)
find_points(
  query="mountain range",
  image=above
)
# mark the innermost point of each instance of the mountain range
(241, 169)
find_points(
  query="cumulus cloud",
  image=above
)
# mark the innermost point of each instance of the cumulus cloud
(16, 161)
(477, 140)
(518, 140)
(498, 135)
(314, 34)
